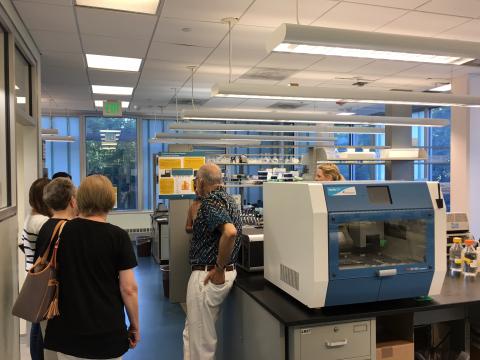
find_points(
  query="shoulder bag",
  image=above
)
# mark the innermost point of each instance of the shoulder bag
(38, 298)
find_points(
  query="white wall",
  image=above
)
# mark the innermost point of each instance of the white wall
(465, 154)
(131, 220)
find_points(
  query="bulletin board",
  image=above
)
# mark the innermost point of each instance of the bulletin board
(176, 173)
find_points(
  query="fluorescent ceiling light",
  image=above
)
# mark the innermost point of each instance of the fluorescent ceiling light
(345, 113)
(316, 40)
(21, 100)
(58, 138)
(139, 6)
(307, 118)
(442, 88)
(49, 131)
(99, 103)
(368, 96)
(235, 137)
(276, 128)
(118, 63)
(110, 131)
(112, 90)
(16, 87)
(206, 142)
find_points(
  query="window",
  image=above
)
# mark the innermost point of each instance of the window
(5, 145)
(111, 150)
(63, 156)
(359, 171)
(150, 128)
(23, 91)
(436, 141)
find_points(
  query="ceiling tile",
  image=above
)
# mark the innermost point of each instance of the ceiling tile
(206, 34)
(113, 78)
(115, 23)
(59, 59)
(57, 41)
(75, 92)
(64, 76)
(205, 10)
(469, 31)
(467, 8)
(39, 16)
(52, 2)
(404, 4)
(114, 46)
(307, 78)
(218, 102)
(339, 64)
(289, 61)
(432, 71)
(384, 68)
(249, 47)
(192, 55)
(274, 13)
(164, 70)
(414, 22)
(358, 17)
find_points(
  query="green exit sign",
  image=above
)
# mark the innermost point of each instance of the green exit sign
(112, 108)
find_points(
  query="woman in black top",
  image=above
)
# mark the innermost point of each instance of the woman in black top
(95, 270)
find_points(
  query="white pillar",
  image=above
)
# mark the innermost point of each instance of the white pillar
(465, 154)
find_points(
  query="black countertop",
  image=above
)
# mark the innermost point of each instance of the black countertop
(456, 290)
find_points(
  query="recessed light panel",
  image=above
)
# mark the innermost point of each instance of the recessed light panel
(99, 103)
(138, 6)
(117, 63)
(112, 90)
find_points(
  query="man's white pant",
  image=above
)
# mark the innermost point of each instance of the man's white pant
(203, 307)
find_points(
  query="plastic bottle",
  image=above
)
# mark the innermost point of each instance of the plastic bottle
(469, 259)
(455, 255)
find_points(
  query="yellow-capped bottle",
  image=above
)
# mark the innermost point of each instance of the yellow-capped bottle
(455, 255)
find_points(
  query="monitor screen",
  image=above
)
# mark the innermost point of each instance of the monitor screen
(379, 194)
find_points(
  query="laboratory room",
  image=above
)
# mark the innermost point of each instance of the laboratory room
(239, 179)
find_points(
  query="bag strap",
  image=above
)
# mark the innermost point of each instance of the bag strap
(53, 261)
(44, 257)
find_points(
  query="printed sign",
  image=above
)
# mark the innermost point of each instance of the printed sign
(341, 191)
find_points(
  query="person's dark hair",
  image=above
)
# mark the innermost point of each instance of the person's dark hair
(58, 193)
(61, 174)
(35, 196)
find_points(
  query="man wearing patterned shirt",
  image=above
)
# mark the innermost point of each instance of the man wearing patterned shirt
(213, 253)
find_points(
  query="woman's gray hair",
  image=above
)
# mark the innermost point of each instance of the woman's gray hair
(210, 174)
(58, 193)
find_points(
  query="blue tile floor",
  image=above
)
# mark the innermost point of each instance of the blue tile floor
(161, 322)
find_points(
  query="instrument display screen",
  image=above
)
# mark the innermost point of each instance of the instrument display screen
(379, 194)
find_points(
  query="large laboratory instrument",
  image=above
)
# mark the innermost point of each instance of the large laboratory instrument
(339, 243)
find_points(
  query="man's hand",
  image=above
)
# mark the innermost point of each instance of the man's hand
(216, 276)
(133, 337)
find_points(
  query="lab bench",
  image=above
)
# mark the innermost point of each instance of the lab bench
(260, 321)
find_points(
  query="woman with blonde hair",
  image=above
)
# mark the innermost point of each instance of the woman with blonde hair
(95, 262)
(328, 172)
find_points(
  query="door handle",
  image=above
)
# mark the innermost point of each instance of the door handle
(336, 344)
(387, 272)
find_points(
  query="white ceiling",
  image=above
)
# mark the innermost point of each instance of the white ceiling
(190, 32)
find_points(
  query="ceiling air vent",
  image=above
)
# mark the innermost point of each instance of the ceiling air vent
(260, 73)
(186, 101)
(286, 105)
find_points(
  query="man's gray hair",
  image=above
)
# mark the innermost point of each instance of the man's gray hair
(58, 193)
(210, 174)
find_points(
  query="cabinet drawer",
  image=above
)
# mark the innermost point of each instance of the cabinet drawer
(340, 341)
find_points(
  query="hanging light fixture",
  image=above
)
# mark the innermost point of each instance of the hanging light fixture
(305, 39)
(276, 128)
(58, 138)
(369, 96)
(307, 118)
(236, 137)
